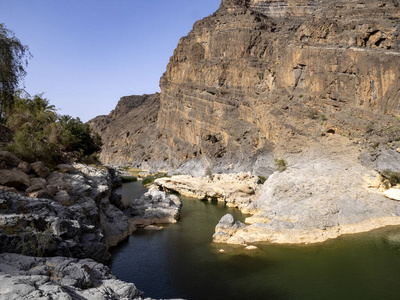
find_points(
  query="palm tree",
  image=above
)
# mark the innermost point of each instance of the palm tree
(32, 119)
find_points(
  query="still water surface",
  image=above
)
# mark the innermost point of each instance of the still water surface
(181, 261)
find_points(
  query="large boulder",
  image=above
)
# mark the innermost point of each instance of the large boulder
(95, 182)
(225, 228)
(14, 178)
(155, 207)
(40, 169)
(9, 159)
(25, 167)
(116, 226)
(57, 181)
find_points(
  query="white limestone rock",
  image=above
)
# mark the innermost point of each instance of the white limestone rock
(393, 193)
(155, 207)
(237, 190)
(324, 193)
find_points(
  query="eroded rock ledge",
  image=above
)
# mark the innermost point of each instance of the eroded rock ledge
(237, 190)
(70, 212)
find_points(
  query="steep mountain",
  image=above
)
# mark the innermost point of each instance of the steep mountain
(260, 79)
(128, 131)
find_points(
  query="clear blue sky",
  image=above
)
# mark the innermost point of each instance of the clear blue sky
(89, 53)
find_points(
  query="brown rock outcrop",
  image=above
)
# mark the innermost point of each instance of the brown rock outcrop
(14, 178)
(9, 159)
(128, 132)
(40, 169)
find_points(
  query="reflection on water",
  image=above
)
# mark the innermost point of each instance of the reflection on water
(131, 191)
(182, 261)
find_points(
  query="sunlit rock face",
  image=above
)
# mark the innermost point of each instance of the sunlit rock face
(263, 75)
(308, 87)
(258, 80)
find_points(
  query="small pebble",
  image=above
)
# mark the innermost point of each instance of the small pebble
(251, 247)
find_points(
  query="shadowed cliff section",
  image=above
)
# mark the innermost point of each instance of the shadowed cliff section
(129, 131)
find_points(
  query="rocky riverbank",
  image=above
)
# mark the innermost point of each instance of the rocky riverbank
(325, 192)
(26, 277)
(47, 217)
(67, 212)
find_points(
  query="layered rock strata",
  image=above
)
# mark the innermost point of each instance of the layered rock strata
(258, 79)
(262, 76)
(311, 83)
(314, 84)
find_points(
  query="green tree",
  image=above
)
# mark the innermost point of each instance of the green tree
(77, 136)
(13, 61)
(41, 134)
(32, 121)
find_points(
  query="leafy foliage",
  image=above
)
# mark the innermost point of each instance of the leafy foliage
(151, 179)
(147, 181)
(40, 134)
(77, 136)
(262, 179)
(128, 178)
(391, 177)
(13, 61)
(32, 120)
(280, 164)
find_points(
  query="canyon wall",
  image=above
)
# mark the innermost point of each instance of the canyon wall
(260, 79)
(258, 75)
(304, 93)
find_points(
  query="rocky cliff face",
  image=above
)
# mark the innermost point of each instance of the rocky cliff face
(259, 80)
(263, 75)
(128, 132)
(312, 83)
